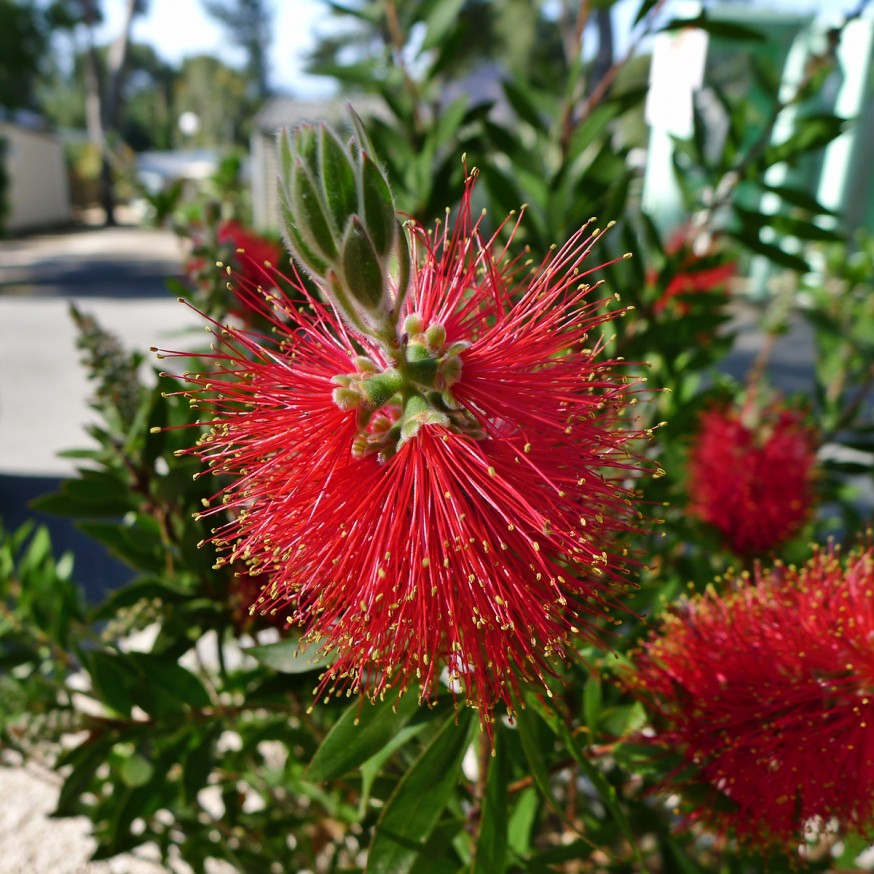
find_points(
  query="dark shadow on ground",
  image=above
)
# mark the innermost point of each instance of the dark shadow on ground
(120, 279)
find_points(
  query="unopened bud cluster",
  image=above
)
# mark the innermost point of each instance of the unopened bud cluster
(394, 402)
(342, 227)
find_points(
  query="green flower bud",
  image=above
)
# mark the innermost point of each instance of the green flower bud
(382, 387)
(418, 351)
(413, 324)
(435, 337)
(365, 364)
(418, 413)
(347, 399)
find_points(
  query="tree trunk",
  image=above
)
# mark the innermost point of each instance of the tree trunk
(103, 99)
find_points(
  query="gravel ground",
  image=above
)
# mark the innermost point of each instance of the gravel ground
(35, 844)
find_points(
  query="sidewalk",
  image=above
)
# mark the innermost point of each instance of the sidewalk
(116, 274)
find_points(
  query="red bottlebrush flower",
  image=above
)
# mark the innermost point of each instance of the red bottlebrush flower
(258, 251)
(689, 270)
(229, 245)
(751, 475)
(464, 534)
(767, 693)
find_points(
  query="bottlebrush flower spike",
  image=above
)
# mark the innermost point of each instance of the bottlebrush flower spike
(689, 269)
(767, 692)
(751, 473)
(445, 506)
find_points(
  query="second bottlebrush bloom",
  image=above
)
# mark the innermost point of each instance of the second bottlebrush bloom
(766, 692)
(751, 474)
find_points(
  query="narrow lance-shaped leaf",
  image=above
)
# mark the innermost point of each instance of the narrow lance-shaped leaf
(361, 732)
(309, 212)
(299, 247)
(379, 209)
(491, 844)
(412, 811)
(306, 147)
(362, 268)
(337, 179)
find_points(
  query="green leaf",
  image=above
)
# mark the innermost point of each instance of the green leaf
(810, 133)
(800, 198)
(412, 811)
(522, 821)
(91, 494)
(287, 657)
(523, 103)
(593, 698)
(377, 206)
(371, 768)
(113, 680)
(528, 728)
(750, 238)
(449, 121)
(361, 732)
(140, 544)
(198, 763)
(491, 844)
(645, 7)
(338, 178)
(301, 248)
(362, 268)
(164, 687)
(83, 762)
(440, 21)
(307, 213)
(604, 788)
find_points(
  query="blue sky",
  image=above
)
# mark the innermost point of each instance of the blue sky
(178, 28)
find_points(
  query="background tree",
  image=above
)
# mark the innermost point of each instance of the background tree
(222, 122)
(249, 25)
(104, 91)
(148, 119)
(25, 30)
(22, 41)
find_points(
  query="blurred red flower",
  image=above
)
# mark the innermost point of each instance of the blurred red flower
(767, 693)
(232, 245)
(257, 249)
(689, 270)
(751, 475)
(466, 541)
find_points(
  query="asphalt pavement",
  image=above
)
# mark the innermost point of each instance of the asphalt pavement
(116, 274)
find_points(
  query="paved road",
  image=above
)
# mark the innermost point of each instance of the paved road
(117, 274)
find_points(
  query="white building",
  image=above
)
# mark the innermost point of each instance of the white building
(38, 194)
